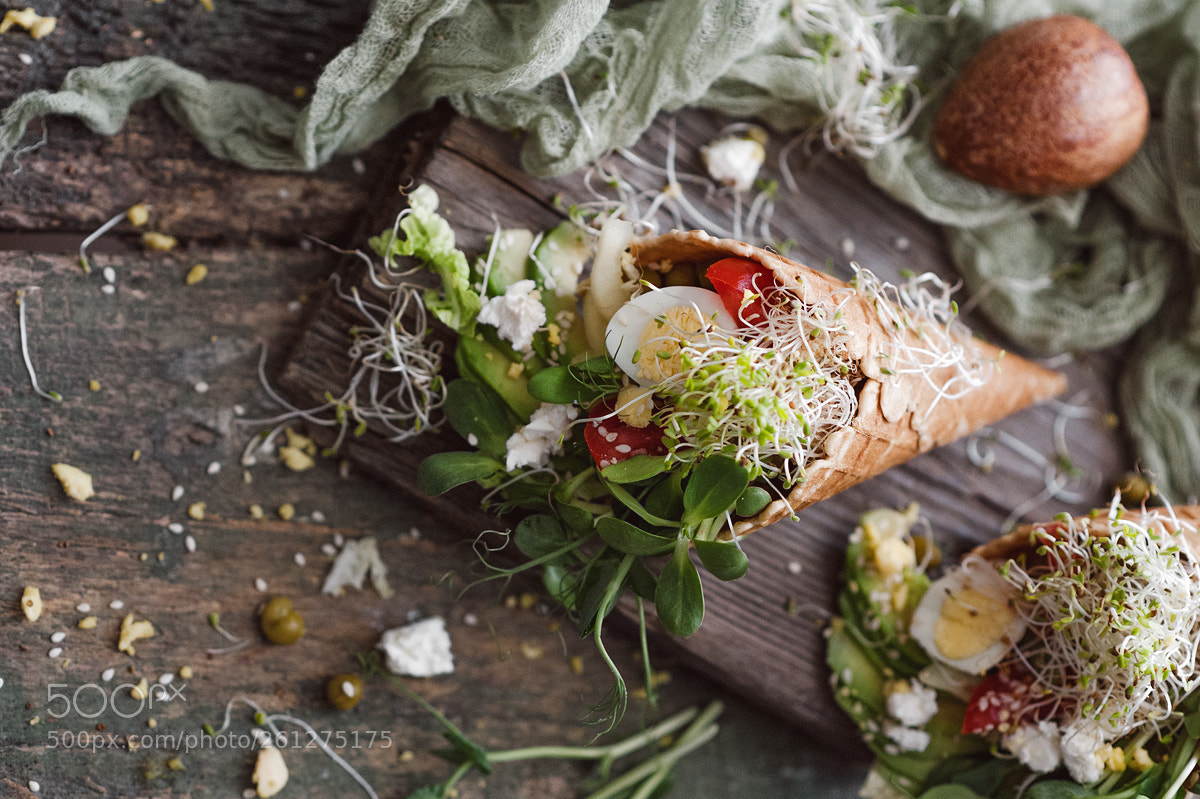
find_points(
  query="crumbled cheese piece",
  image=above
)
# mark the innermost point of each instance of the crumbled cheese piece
(186, 672)
(635, 404)
(421, 649)
(31, 602)
(256, 512)
(1081, 744)
(196, 274)
(159, 241)
(517, 314)
(286, 511)
(533, 444)
(906, 738)
(300, 441)
(270, 772)
(1141, 760)
(141, 690)
(735, 160)
(353, 563)
(133, 631)
(138, 215)
(88, 623)
(196, 511)
(29, 19)
(94, 385)
(893, 555)
(76, 482)
(1038, 747)
(911, 703)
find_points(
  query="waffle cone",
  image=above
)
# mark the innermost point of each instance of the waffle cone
(1021, 540)
(898, 416)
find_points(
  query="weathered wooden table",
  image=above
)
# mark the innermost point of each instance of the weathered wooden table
(176, 382)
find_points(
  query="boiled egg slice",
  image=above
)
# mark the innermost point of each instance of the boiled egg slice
(643, 335)
(968, 618)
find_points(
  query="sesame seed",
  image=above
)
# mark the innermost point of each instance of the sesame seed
(624, 449)
(338, 539)
(358, 166)
(107, 674)
(110, 275)
(190, 543)
(177, 493)
(214, 467)
(795, 567)
(329, 550)
(318, 517)
(299, 559)
(83, 607)
(25, 58)
(108, 288)
(470, 619)
(294, 306)
(260, 584)
(414, 534)
(175, 527)
(56, 651)
(116, 604)
(165, 678)
(239, 410)
(848, 247)
(57, 638)
(34, 786)
(348, 688)
(200, 388)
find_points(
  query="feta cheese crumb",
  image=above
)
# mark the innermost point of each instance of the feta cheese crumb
(31, 602)
(352, 565)
(735, 160)
(133, 631)
(421, 649)
(906, 738)
(1038, 747)
(911, 703)
(533, 444)
(1081, 744)
(76, 482)
(517, 314)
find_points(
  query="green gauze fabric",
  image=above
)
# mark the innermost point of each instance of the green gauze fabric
(583, 76)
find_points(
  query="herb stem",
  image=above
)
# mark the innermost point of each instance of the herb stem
(54, 396)
(648, 674)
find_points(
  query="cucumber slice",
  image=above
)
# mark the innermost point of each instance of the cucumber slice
(511, 261)
(560, 257)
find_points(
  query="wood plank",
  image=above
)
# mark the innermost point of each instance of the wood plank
(750, 641)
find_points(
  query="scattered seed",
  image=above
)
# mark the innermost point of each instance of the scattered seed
(256, 512)
(260, 584)
(196, 274)
(116, 604)
(110, 274)
(151, 723)
(329, 549)
(161, 556)
(902, 243)
(31, 603)
(143, 556)
(177, 493)
(214, 467)
(190, 543)
(136, 455)
(107, 675)
(848, 247)
(58, 637)
(795, 567)
(108, 288)
(34, 786)
(159, 241)
(299, 559)
(470, 619)
(25, 58)
(294, 306)
(56, 651)
(165, 678)
(318, 517)
(83, 607)
(201, 387)
(175, 527)
(239, 410)
(338, 539)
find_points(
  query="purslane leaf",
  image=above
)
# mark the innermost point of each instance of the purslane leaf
(714, 486)
(624, 537)
(679, 597)
(724, 559)
(443, 471)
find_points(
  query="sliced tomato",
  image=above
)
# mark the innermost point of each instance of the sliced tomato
(998, 702)
(743, 285)
(611, 441)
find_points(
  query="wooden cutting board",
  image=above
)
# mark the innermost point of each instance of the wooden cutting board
(762, 634)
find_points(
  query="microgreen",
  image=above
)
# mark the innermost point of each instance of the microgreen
(53, 396)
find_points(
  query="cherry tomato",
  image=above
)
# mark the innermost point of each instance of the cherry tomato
(610, 440)
(732, 278)
(999, 701)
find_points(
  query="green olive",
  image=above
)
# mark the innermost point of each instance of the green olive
(280, 623)
(344, 690)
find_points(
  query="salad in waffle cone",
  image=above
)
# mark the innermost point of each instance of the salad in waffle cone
(1058, 660)
(688, 391)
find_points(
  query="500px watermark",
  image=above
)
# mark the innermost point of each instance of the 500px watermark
(126, 700)
(193, 741)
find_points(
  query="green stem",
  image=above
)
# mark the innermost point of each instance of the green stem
(615, 586)
(654, 770)
(615, 751)
(629, 501)
(651, 690)
(458, 774)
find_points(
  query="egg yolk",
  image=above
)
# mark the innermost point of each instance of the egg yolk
(660, 345)
(970, 622)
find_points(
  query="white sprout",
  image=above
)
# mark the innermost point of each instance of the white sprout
(865, 86)
(24, 333)
(1113, 609)
(94, 236)
(269, 721)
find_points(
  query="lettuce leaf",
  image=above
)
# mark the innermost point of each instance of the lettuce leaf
(429, 238)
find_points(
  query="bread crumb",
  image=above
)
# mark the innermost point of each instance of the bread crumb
(76, 482)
